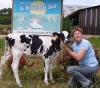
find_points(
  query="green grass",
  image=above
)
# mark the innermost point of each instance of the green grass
(95, 42)
(3, 26)
(34, 78)
(2, 43)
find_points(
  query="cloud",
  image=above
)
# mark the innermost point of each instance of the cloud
(97, 0)
(82, 2)
(94, 4)
(5, 4)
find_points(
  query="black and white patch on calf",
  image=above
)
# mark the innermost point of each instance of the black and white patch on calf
(46, 47)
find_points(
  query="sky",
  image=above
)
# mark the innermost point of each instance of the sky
(82, 2)
(8, 3)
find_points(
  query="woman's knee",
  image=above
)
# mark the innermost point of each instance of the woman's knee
(70, 69)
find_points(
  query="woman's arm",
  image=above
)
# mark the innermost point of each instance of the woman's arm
(77, 56)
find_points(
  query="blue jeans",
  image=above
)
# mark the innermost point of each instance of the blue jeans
(81, 74)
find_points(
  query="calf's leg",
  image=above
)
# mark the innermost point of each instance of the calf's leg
(46, 70)
(16, 58)
(4, 60)
(50, 72)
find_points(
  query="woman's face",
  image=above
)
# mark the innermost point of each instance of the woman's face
(78, 36)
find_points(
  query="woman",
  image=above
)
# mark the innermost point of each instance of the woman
(82, 52)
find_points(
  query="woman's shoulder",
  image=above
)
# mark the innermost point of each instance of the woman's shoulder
(85, 41)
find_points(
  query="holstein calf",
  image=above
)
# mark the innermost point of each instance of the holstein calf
(46, 47)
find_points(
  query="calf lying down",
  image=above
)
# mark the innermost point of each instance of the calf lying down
(46, 47)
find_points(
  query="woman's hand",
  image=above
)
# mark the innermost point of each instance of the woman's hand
(64, 45)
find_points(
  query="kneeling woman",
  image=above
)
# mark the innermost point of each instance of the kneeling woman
(84, 53)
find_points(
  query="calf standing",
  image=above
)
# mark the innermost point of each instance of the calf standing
(47, 47)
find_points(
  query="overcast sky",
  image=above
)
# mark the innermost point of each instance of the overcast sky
(8, 3)
(82, 2)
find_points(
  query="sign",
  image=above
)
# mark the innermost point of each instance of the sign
(40, 17)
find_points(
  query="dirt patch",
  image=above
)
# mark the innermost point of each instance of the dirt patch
(88, 36)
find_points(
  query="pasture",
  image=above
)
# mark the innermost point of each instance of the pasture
(33, 76)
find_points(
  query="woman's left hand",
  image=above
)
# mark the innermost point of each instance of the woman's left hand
(64, 45)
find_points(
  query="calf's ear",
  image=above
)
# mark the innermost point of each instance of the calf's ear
(55, 34)
(68, 36)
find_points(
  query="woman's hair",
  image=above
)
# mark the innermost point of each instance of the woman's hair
(76, 29)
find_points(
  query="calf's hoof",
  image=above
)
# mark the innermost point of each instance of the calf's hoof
(46, 82)
(20, 85)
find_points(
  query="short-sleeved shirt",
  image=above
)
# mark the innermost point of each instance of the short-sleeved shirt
(89, 59)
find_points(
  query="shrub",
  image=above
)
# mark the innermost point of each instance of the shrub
(2, 43)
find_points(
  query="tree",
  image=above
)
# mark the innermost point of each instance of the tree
(5, 16)
(9, 11)
(66, 24)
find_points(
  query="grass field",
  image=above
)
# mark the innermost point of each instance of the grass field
(33, 77)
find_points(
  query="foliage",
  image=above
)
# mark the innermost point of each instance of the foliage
(66, 59)
(5, 26)
(66, 24)
(2, 43)
(5, 16)
(22, 63)
(67, 62)
(5, 20)
(95, 42)
(33, 77)
(2, 27)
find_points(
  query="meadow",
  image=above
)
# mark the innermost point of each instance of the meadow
(33, 76)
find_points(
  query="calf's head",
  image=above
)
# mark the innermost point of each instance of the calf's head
(64, 36)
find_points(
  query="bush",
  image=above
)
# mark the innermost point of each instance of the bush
(2, 27)
(5, 20)
(2, 43)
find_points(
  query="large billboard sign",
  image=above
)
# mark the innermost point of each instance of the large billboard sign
(41, 17)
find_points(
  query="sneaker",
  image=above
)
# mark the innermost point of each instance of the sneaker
(92, 82)
(87, 84)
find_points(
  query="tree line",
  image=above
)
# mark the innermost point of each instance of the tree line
(5, 16)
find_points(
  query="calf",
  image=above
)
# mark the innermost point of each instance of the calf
(46, 47)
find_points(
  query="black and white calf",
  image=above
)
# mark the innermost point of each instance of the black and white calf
(47, 47)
